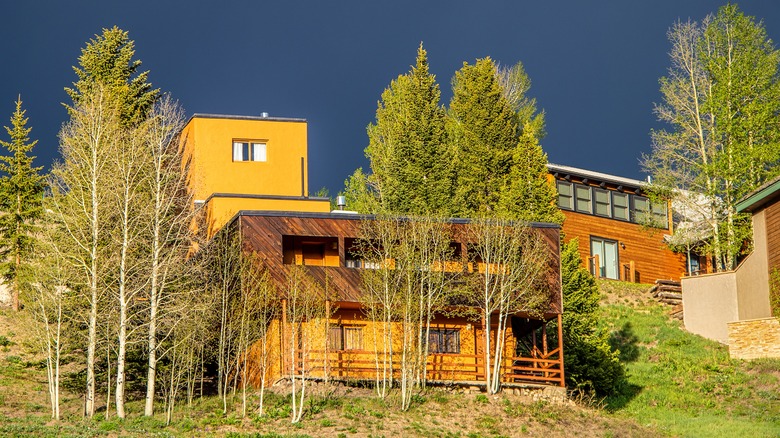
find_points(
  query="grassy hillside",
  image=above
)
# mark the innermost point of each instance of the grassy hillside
(678, 385)
(683, 384)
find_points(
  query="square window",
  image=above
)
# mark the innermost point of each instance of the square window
(444, 341)
(249, 151)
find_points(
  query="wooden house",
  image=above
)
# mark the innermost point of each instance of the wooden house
(622, 233)
(347, 348)
(249, 175)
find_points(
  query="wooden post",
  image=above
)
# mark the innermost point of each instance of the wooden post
(632, 271)
(560, 348)
(596, 266)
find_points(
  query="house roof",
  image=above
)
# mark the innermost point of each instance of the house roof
(760, 197)
(346, 215)
(237, 117)
(597, 176)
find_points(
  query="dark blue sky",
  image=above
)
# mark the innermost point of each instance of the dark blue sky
(594, 64)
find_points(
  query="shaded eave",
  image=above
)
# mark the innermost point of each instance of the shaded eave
(351, 216)
(595, 176)
(760, 197)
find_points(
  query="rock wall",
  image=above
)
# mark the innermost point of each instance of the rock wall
(754, 338)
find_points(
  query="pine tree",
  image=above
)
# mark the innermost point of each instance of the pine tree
(483, 128)
(530, 194)
(407, 148)
(591, 363)
(108, 60)
(21, 190)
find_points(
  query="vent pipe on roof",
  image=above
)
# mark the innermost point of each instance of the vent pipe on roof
(341, 202)
(263, 114)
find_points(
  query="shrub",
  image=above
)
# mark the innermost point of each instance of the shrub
(591, 363)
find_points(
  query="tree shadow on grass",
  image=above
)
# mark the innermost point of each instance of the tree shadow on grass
(626, 342)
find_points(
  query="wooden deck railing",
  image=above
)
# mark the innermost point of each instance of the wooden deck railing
(362, 365)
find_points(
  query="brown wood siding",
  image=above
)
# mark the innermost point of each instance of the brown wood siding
(264, 235)
(643, 245)
(772, 213)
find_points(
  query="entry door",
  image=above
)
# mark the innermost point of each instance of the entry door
(607, 250)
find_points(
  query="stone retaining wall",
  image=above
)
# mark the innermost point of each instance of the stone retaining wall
(754, 338)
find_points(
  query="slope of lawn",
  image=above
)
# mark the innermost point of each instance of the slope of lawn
(683, 384)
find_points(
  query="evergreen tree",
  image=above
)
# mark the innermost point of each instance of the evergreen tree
(108, 60)
(21, 190)
(591, 364)
(483, 128)
(530, 194)
(410, 164)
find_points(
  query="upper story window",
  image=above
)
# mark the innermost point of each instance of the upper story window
(602, 202)
(249, 151)
(565, 195)
(583, 199)
(620, 206)
(612, 204)
(641, 209)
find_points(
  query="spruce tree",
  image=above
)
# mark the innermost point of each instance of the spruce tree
(530, 194)
(410, 164)
(108, 60)
(591, 363)
(21, 189)
(483, 128)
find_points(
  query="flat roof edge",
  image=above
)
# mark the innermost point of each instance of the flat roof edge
(240, 117)
(275, 213)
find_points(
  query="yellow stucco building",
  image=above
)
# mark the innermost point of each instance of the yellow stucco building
(248, 163)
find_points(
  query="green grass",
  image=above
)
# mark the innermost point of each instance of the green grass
(685, 385)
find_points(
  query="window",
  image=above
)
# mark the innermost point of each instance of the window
(641, 209)
(343, 337)
(607, 252)
(601, 198)
(583, 199)
(444, 341)
(565, 197)
(620, 206)
(248, 151)
(660, 217)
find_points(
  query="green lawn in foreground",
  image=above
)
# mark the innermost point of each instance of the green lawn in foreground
(683, 384)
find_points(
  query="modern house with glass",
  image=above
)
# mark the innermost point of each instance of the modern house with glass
(622, 233)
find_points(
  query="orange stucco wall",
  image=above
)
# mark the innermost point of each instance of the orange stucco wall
(208, 152)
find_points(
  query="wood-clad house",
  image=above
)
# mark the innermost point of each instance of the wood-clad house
(325, 245)
(622, 234)
(249, 175)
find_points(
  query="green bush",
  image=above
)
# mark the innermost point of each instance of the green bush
(592, 365)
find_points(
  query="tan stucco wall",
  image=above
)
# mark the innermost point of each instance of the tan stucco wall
(754, 338)
(709, 303)
(753, 275)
